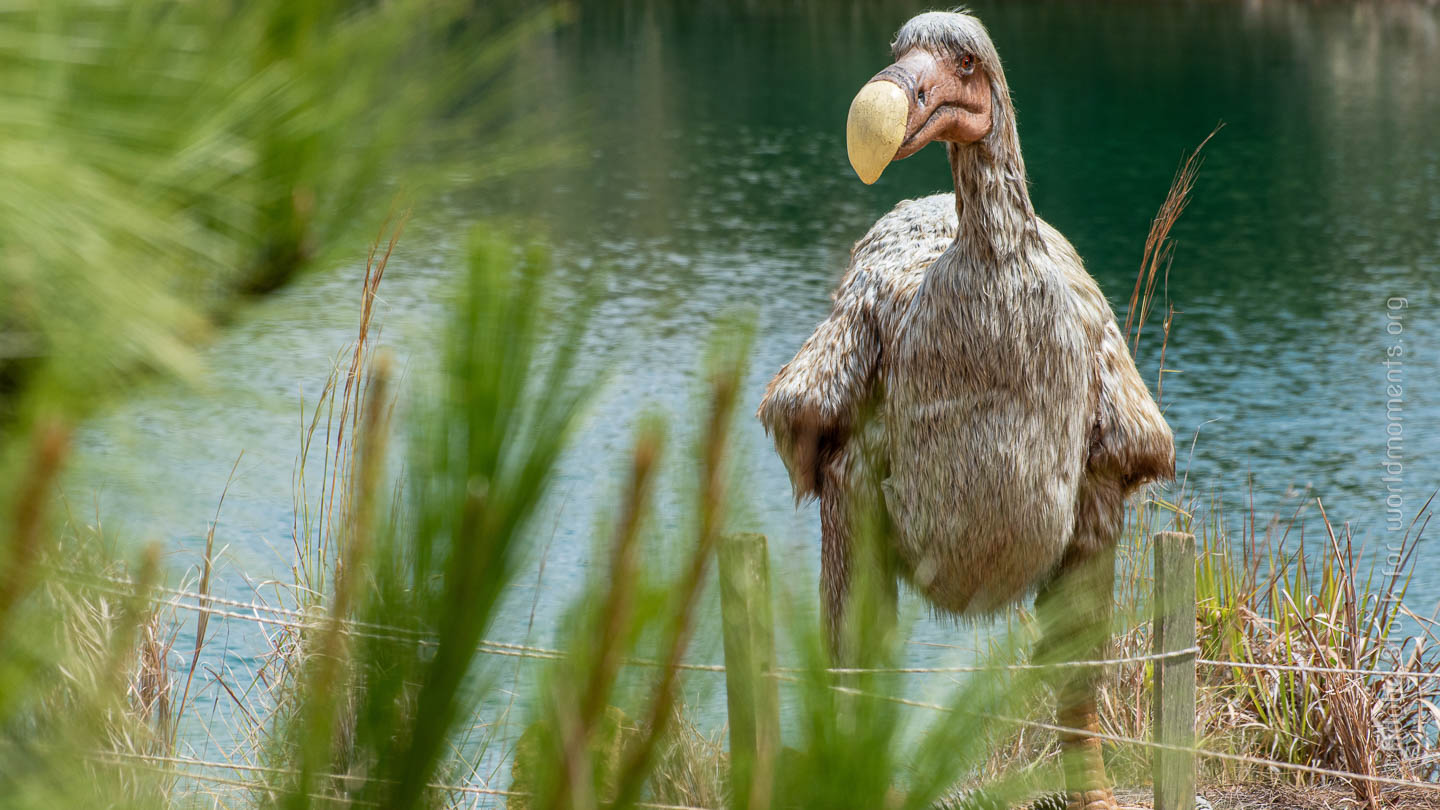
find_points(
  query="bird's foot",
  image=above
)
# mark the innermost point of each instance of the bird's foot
(1102, 799)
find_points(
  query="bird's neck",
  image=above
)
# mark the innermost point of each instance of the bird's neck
(992, 202)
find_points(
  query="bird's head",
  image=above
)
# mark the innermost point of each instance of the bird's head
(946, 85)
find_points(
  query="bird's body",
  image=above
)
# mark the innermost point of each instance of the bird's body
(993, 402)
(970, 397)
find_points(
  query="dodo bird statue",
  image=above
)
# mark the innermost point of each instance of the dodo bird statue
(970, 385)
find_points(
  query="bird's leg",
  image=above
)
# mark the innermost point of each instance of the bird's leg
(835, 567)
(1074, 610)
(858, 590)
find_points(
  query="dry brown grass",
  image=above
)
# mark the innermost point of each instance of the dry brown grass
(1280, 796)
(692, 768)
(1262, 604)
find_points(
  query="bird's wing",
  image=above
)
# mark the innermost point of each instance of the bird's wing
(1130, 441)
(814, 401)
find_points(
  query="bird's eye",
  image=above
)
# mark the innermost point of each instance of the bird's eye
(920, 97)
(967, 64)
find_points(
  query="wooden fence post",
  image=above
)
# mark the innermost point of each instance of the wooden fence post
(753, 695)
(1174, 691)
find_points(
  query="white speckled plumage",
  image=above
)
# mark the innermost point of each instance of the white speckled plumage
(970, 381)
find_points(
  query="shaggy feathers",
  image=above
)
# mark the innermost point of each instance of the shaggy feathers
(970, 383)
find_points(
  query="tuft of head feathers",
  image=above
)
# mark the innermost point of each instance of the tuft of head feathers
(949, 32)
(991, 188)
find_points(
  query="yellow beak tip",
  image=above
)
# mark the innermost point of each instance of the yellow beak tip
(875, 128)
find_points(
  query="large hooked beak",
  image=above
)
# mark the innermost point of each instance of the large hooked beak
(919, 99)
(876, 127)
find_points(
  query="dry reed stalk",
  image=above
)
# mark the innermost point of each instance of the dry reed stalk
(329, 697)
(1159, 248)
(691, 768)
(203, 621)
(314, 542)
(151, 687)
(333, 550)
(374, 272)
(306, 567)
(1164, 347)
(292, 651)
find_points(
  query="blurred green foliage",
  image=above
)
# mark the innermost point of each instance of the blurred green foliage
(159, 157)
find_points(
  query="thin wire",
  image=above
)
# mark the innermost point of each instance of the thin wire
(1388, 673)
(1098, 662)
(116, 757)
(202, 763)
(303, 622)
(80, 578)
(513, 650)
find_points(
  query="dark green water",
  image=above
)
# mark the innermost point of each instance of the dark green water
(712, 177)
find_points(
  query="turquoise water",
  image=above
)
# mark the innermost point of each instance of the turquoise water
(712, 177)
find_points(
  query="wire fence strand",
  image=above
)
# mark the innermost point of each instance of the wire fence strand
(158, 761)
(297, 620)
(300, 620)
(1387, 673)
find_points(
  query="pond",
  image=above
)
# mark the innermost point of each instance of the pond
(712, 178)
